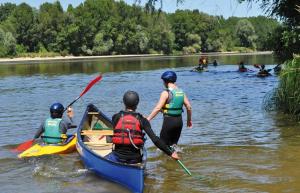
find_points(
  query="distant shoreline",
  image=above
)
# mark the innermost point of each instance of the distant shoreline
(78, 58)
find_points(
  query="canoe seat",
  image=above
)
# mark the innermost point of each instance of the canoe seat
(97, 132)
(95, 144)
(93, 113)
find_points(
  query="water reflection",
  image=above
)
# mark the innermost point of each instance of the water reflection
(120, 64)
(234, 143)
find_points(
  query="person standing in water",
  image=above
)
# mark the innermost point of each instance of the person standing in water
(170, 104)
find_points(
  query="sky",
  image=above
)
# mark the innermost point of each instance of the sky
(226, 8)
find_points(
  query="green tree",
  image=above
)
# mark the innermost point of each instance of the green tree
(23, 21)
(263, 27)
(161, 36)
(7, 44)
(286, 10)
(102, 45)
(50, 23)
(5, 10)
(246, 34)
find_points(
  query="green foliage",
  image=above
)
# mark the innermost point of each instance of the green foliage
(284, 9)
(5, 10)
(189, 50)
(102, 45)
(263, 27)
(285, 39)
(7, 44)
(288, 91)
(161, 36)
(20, 49)
(245, 32)
(50, 23)
(285, 42)
(98, 27)
(22, 20)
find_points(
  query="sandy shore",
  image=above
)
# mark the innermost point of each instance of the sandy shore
(73, 58)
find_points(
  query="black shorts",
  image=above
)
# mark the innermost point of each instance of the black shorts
(171, 129)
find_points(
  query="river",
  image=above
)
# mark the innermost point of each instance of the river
(235, 145)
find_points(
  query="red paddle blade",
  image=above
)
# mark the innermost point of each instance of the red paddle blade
(87, 88)
(24, 146)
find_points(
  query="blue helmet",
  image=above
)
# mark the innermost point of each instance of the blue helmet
(56, 110)
(169, 76)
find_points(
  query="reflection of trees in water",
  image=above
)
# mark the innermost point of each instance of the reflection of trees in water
(117, 65)
(286, 123)
(122, 64)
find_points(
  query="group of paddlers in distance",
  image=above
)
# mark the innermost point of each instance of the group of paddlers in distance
(263, 72)
(203, 64)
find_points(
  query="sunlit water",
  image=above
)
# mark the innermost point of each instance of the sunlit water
(234, 145)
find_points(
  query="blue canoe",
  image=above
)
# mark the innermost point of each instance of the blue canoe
(94, 143)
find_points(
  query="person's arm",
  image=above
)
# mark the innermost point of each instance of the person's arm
(39, 132)
(157, 141)
(70, 114)
(115, 118)
(68, 123)
(188, 107)
(162, 101)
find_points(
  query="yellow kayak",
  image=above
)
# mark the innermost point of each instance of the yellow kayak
(46, 149)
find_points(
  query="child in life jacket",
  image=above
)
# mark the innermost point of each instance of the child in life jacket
(129, 130)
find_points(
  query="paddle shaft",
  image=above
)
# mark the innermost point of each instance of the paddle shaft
(183, 166)
(87, 88)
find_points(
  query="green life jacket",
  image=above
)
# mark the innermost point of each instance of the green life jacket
(173, 107)
(52, 130)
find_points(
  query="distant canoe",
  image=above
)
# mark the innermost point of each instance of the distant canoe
(94, 143)
(198, 69)
(243, 70)
(264, 73)
(46, 149)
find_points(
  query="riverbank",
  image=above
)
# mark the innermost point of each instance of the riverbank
(78, 58)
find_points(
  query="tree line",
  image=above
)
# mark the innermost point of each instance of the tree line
(108, 27)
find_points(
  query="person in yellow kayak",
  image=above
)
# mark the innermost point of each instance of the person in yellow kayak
(128, 138)
(54, 127)
(170, 104)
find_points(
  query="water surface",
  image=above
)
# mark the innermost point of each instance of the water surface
(234, 143)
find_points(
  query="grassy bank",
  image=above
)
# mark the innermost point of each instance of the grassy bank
(288, 91)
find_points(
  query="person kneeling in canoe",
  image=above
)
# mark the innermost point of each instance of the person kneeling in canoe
(54, 127)
(129, 127)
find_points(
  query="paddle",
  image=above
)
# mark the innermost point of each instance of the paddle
(187, 170)
(260, 68)
(87, 88)
(183, 167)
(28, 144)
(24, 146)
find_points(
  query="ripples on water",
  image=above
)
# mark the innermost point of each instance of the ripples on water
(236, 145)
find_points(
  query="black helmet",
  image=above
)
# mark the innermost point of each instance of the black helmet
(56, 110)
(131, 99)
(169, 76)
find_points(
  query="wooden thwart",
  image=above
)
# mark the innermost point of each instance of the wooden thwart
(97, 132)
(93, 113)
(92, 143)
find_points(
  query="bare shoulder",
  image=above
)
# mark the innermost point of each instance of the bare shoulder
(164, 93)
